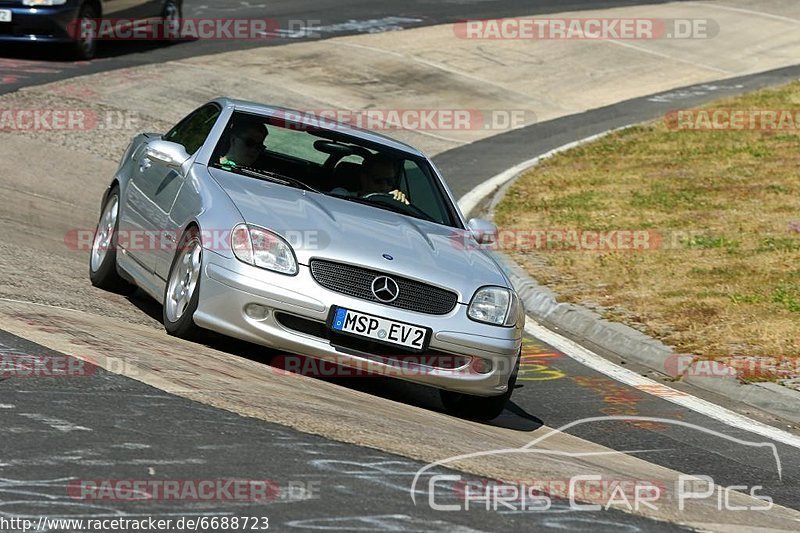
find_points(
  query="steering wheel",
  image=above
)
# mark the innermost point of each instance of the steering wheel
(382, 195)
(410, 207)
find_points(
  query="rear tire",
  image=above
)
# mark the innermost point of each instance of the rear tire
(479, 407)
(182, 291)
(103, 257)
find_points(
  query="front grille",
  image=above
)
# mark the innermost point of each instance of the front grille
(357, 282)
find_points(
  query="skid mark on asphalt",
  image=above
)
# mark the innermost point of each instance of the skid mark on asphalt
(597, 394)
(620, 400)
(59, 424)
(593, 364)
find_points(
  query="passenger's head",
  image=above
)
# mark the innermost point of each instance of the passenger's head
(379, 174)
(247, 141)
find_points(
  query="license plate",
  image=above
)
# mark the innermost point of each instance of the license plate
(379, 329)
(5, 15)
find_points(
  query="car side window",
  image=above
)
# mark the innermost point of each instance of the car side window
(422, 192)
(192, 131)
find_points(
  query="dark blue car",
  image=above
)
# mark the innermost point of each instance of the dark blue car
(56, 21)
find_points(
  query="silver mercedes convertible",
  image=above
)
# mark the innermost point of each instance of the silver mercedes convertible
(313, 238)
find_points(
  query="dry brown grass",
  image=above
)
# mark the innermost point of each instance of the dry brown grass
(732, 287)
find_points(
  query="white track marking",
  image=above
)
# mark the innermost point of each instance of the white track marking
(742, 10)
(623, 375)
(671, 57)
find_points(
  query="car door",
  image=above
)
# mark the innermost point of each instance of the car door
(153, 189)
(191, 133)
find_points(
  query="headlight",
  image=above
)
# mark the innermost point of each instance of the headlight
(494, 305)
(36, 3)
(264, 249)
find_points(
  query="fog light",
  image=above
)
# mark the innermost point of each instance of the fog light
(256, 312)
(481, 366)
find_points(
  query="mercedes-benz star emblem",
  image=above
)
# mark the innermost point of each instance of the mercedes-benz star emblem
(385, 289)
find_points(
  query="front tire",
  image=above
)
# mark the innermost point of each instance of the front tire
(479, 407)
(182, 291)
(103, 257)
(85, 45)
(172, 17)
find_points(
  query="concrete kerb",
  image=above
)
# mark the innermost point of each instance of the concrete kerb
(593, 331)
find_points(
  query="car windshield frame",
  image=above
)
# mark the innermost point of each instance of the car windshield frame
(344, 135)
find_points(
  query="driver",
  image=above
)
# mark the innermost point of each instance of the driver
(379, 175)
(247, 143)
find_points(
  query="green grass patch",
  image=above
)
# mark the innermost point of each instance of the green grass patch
(709, 242)
(779, 244)
(732, 283)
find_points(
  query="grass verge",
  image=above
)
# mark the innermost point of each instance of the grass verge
(719, 274)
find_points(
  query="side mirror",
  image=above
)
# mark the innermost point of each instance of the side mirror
(167, 153)
(482, 230)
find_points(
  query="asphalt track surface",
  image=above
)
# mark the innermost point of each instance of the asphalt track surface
(131, 427)
(22, 66)
(118, 429)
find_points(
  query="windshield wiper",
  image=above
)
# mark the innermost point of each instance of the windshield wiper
(270, 176)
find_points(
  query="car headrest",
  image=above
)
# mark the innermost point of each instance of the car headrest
(347, 175)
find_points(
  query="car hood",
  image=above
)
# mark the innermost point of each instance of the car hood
(325, 227)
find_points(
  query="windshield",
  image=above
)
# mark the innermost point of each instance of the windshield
(333, 163)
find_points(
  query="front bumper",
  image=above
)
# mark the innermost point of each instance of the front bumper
(227, 286)
(39, 24)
